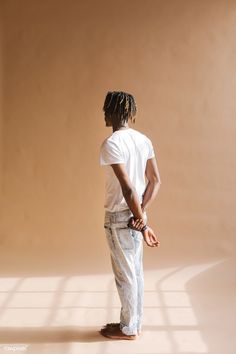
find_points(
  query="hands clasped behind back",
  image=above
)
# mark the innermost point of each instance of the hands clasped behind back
(149, 236)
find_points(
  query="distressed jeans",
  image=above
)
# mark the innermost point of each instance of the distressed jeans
(126, 251)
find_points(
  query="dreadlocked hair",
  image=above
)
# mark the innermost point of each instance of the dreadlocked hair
(120, 106)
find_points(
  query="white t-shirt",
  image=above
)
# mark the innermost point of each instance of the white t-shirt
(132, 148)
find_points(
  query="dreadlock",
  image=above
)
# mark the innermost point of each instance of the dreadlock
(120, 106)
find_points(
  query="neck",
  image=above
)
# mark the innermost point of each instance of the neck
(122, 127)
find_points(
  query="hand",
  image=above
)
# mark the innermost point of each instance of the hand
(136, 224)
(150, 238)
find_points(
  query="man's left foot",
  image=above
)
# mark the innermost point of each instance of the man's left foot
(114, 332)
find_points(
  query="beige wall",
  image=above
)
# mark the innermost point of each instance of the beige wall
(60, 58)
(1, 103)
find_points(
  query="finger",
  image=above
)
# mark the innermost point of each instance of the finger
(154, 238)
(156, 242)
(139, 220)
(135, 228)
(148, 242)
(132, 223)
(138, 223)
(139, 226)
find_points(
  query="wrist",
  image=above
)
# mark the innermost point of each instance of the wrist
(144, 228)
(132, 218)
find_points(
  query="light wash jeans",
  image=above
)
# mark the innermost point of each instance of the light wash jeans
(126, 250)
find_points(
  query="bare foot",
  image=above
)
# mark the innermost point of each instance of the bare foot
(112, 325)
(115, 332)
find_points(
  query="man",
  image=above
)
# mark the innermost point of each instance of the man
(128, 157)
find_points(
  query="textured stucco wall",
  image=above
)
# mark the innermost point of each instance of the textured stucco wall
(60, 58)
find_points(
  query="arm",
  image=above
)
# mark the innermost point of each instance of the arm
(128, 190)
(132, 200)
(154, 182)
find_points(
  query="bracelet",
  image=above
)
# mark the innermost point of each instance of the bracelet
(144, 228)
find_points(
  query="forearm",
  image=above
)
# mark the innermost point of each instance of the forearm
(132, 200)
(150, 194)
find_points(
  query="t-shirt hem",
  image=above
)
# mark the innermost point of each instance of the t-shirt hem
(111, 163)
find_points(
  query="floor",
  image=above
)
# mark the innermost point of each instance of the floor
(189, 309)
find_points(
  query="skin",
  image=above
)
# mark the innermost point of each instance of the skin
(130, 194)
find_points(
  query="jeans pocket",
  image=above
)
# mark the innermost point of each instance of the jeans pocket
(125, 238)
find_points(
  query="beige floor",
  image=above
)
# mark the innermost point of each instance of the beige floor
(189, 309)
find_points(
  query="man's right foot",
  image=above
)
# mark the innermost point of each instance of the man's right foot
(112, 325)
(116, 333)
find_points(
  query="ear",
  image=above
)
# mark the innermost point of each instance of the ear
(133, 119)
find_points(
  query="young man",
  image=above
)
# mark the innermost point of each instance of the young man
(128, 156)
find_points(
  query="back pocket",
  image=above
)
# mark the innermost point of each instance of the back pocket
(125, 238)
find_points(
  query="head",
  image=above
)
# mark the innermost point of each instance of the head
(118, 108)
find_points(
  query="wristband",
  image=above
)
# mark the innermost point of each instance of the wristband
(144, 228)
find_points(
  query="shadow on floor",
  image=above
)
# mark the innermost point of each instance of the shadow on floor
(50, 335)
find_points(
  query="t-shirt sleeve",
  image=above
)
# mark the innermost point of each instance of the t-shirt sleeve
(110, 153)
(151, 152)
